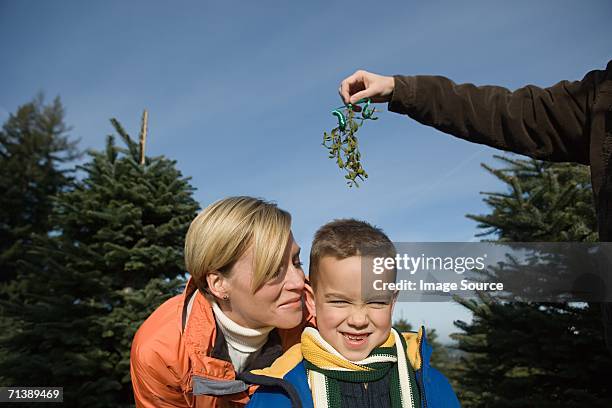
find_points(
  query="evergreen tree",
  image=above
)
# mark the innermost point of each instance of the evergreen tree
(35, 151)
(34, 146)
(535, 354)
(117, 254)
(402, 325)
(545, 202)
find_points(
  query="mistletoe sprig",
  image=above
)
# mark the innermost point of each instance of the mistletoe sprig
(342, 141)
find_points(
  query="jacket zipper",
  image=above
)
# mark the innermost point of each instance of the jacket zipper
(423, 388)
(419, 343)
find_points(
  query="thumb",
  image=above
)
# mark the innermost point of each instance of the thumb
(366, 93)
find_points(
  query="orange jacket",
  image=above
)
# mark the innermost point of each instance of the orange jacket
(172, 367)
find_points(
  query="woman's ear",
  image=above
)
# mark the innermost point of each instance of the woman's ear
(217, 285)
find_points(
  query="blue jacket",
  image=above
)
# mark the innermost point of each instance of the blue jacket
(285, 385)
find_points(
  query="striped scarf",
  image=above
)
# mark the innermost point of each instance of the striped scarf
(325, 367)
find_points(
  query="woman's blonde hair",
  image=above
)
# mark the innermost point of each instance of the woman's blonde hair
(226, 229)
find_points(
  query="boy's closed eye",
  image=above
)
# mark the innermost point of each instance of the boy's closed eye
(335, 298)
(373, 303)
(378, 304)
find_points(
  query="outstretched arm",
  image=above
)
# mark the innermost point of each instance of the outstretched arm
(544, 123)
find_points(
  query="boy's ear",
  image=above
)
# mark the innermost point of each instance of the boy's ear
(309, 298)
(217, 284)
(394, 300)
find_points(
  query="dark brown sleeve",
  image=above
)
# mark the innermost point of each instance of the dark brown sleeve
(543, 123)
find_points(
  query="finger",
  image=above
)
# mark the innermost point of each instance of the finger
(344, 95)
(350, 83)
(344, 91)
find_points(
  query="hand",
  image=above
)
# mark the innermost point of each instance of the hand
(364, 84)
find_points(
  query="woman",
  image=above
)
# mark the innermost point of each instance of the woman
(242, 307)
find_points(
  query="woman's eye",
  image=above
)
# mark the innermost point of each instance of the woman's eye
(277, 274)
(338, 302)
(298, 263)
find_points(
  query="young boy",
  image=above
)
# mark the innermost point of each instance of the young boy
(354, 358)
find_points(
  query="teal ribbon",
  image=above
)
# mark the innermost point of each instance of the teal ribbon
(341, 118)
(366, 112)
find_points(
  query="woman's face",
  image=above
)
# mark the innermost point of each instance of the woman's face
(277, 303)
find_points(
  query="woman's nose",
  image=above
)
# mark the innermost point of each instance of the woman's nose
(295, 278)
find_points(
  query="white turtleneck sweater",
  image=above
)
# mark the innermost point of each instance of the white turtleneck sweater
(242, 342)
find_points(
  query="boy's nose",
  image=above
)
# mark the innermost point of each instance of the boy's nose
(358, 318)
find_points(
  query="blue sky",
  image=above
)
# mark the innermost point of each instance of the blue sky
(239, 93)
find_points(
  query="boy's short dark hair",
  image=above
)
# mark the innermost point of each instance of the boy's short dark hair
(344, 238)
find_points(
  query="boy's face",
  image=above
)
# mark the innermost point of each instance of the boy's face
(354, 323)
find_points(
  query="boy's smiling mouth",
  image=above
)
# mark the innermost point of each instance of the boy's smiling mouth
(355, 339)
